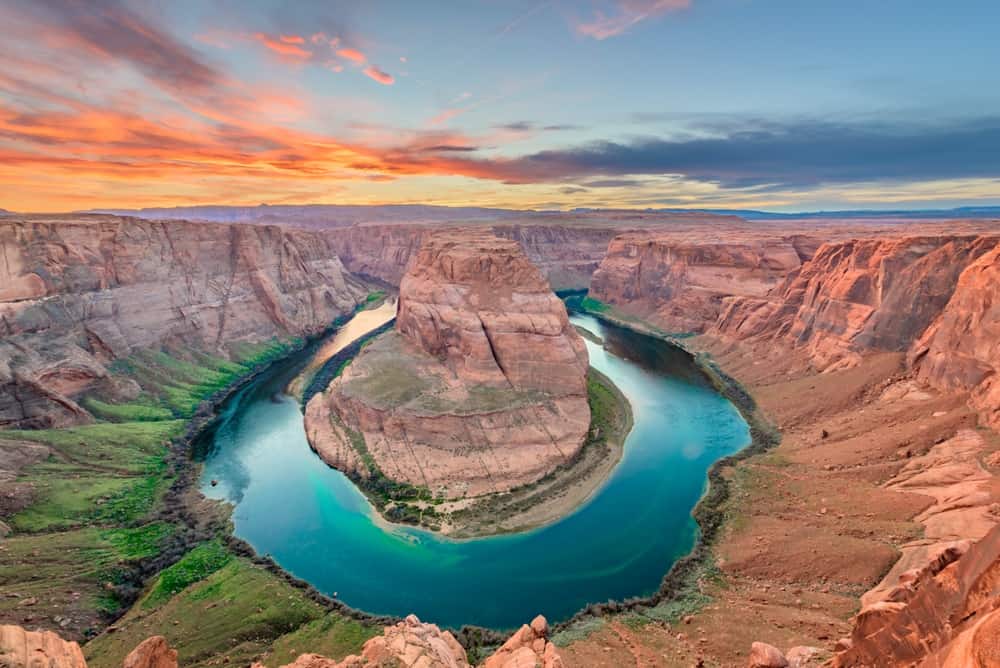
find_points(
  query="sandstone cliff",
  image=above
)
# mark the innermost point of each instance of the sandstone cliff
(481, 388)
(680, 284)
(961, 349)
(77, 293)
(566, 254)
(946, 615)
(856, 296)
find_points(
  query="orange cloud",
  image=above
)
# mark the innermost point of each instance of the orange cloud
(282, 47)
(378, 75)
(353, 55)
(627, 14)
(292, 39)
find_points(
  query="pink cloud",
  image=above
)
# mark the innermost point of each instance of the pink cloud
(378, 75)
(353, 55)
(627, 14)
(292, 39)
(282, 47)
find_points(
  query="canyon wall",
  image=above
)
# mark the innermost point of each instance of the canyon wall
(680, 284)
(856, 296)
(961, 349)
(566, 254)
(481, 388)
(77, 293)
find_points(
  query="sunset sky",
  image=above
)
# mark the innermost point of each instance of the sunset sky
(772, 104)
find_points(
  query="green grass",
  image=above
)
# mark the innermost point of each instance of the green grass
(140, 542)
(374, 296)
(594, 305)
(333, 636)
(237, 611)
(128, 412)
(193, 567)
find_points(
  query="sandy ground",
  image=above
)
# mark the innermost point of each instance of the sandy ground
(817, 522)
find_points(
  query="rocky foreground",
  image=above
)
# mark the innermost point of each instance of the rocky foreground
(481, 387)
(409, 643)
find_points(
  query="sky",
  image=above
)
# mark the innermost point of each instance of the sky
(554, 104)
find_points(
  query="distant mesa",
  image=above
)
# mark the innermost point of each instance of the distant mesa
(480, 388)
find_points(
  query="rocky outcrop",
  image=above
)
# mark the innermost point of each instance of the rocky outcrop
(856, 296)
(943, 616)
(20, 648)
(152, 652)
(529, 647)
(481, 388)
(961, 349)
(566, 254)
(680, 285)
(77, 293)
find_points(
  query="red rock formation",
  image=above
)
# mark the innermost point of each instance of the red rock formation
(482, 387)
(476, 302)
(152, 652)
(856, 296)
(20, 648)
(78, 292)
(566, 254)
(679, 284)
(944, 616)
(961, 349)
(529, 647)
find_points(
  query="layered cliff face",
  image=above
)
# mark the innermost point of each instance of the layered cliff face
(567, 255)
(856, 296)
(961, 349)
(680, 285)
(481, 387)
(78, 293)
(946, 615)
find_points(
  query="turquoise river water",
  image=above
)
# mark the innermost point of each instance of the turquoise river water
(317, 525)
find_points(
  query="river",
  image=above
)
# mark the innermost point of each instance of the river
(317, 525)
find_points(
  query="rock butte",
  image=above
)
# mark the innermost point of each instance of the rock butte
(480, 388)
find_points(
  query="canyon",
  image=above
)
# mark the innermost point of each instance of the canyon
(871, 345)
(480, 389)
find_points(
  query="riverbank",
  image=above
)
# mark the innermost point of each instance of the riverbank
(565, 489)
(109, 515)
(807, 526)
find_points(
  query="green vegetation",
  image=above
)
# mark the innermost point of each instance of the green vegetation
(195, 566)
(594, 305)
(373, 297)
(127, 412)
(234, 613)
(179, 381)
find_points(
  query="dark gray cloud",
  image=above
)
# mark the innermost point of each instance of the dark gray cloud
(797, 153)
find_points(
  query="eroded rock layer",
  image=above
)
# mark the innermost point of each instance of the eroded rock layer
(680, 284)
(80, 292)
(961, 349)
(566, 254)
(856, 296)
(481, 388)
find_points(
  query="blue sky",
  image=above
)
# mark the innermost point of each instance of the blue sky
(777, 104)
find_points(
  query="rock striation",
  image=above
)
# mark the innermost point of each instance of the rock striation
(566, 254)
(77, 293)
(856, 296)
(20, 648)
(961, 349)
(946, 615)
(680, 284)
(481, 387)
